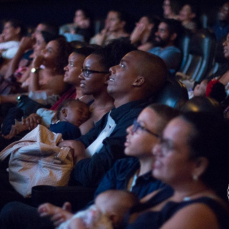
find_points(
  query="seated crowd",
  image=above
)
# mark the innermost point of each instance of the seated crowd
(144, 162)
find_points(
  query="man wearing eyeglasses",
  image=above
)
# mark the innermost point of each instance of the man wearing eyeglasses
(137, 78)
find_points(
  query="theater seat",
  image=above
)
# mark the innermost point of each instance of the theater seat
(201, 53)
(173, 94)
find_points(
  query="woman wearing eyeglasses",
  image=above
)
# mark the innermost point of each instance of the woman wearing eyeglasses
(192, 157)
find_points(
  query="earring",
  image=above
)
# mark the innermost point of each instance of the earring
(195, 177)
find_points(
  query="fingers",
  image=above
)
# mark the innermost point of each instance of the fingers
(47, 209)
(57, 219)
(67, 206)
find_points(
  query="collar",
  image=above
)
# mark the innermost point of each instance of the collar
(118, 113)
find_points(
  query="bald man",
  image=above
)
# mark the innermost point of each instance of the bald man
(132, 84)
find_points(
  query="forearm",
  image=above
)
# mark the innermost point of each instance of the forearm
(34, 81)
(14, 63)
(8, 98)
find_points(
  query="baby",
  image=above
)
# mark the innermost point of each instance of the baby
(108, 212)
(70, 115)
(212, 88)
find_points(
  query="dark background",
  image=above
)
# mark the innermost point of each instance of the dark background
(31, 12)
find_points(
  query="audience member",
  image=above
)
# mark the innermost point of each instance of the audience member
(114, 29)
(12, 33)
(187, 16)
(221, 28)
(194, 164)
(144, 31)
(133, 174)
(166, 38)
(171, 9)
(108, 211)
(69, 116)
(80, 29)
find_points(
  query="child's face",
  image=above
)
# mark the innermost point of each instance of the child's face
(75, 114)
(200, 89)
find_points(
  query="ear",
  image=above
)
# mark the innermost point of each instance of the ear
(173, 36)
(114, 219)
(64, 111)
(201, 165)
(139, 81)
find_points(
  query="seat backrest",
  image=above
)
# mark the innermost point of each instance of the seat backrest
(184, 46)
(173, 94)
(201, 53)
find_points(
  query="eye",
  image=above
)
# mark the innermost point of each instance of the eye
(122, 65)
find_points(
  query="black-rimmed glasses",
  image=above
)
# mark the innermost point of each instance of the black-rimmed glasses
(86, 72)
(137, 125)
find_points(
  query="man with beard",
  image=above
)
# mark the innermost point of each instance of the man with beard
(166, 37)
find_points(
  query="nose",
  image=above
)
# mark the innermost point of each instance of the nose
(156, 150)
(81, 76)
(225, 43)
(66, 68)
(112, 69)
(129, 130)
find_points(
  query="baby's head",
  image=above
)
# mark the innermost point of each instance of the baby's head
(115, 204)
(213, 89)
(200, 89)
(73, 111)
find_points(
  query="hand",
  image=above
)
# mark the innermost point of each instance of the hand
(57, 215)
(15, 129)
(31, 121)
(136, 34)
(77, 148)
(26, 43)
(37, 61)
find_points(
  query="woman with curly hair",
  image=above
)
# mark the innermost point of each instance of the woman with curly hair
(47, 73)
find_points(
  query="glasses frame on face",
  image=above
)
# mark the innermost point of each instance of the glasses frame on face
(137, 125)
(87, 72)
(165, 145)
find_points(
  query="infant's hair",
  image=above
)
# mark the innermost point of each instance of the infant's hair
(119, 200)
(68, 102)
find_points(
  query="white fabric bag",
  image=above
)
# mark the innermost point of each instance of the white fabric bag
(37, 160)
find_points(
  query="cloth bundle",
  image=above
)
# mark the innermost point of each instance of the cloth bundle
(37, 160)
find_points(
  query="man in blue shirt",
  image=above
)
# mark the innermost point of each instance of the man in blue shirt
(168, 33)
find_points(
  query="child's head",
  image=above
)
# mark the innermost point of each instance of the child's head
(115, 204)
(212, 88)
(200, 89)
(73, 111)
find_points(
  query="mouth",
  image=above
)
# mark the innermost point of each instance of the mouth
(82, 84)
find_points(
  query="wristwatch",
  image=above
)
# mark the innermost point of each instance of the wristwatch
(35, 70)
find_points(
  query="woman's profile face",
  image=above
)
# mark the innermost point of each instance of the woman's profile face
(79, 16)
(167, 8)
(172, 155)
(186, 13)
(9, 32)
(50, 53)
(92, 83)
(39, 45)
(113, 22)
(226, 47)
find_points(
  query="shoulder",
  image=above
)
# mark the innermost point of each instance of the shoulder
(199, 215)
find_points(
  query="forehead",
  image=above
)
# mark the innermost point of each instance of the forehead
(112, 14)
(92, 60)
(41, 27)
(178, 130)
(163, 25)
(187, 8)
(76, 57)
(149, 117)
(52, 44)
(7, 24)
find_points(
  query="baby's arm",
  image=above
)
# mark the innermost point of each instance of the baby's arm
(57, 215)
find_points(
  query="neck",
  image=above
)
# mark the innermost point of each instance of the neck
(189, 190)
(102, 99)
(145, 165)
(78, 92)
(121, 100)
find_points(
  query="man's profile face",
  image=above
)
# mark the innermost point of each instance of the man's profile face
(224, 12)
(162, 36)
(123, 75)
